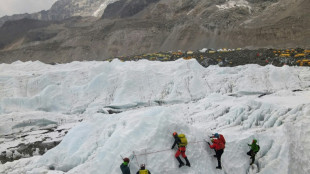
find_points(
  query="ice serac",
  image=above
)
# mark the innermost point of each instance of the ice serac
(132, 108)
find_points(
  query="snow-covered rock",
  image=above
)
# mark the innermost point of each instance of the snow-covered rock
(102, 7)
(234, 3)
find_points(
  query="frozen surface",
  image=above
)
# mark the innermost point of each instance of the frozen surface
(147, 101)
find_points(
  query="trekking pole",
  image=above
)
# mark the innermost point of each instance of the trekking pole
(133, 152)
(145, 158)
(131, 160)
(123, 159)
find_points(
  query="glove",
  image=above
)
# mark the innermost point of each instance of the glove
(172, 147)
(208, 143)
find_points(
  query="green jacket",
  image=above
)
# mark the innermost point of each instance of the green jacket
(254, 147)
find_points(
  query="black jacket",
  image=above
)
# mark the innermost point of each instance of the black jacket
(125, 169)
(177, 141)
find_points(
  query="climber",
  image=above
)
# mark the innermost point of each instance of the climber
(143, 170)
(220, 137)
(124, 166)
(181, 141)
(254, 149)
(219, 150)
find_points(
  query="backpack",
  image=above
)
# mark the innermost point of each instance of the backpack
(258, 148)
(221, 145)
(222, 139)
(144, 172)
(183, 140)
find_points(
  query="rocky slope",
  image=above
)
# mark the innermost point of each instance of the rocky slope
(130, 27)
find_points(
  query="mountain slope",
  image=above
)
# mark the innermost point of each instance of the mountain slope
(63, 9)
(137, 27)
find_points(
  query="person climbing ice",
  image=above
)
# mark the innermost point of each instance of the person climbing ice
(143, 170)
(124, 166)
(181, 141)
(254, 149)
(219, 147)
(220, 137)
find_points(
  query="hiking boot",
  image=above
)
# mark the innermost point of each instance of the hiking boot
(219, 165)
(180, 161)
(187, 162)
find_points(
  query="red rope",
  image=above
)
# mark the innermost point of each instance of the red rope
(152, 152)
(166, 149)
(197, 142)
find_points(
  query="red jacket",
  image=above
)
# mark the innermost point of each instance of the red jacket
(222, 139)
(217, 145)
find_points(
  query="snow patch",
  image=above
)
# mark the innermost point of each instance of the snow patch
(99, 12)
(234, 3)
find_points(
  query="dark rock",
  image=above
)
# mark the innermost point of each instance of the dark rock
(114, 111)
(126, 8)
